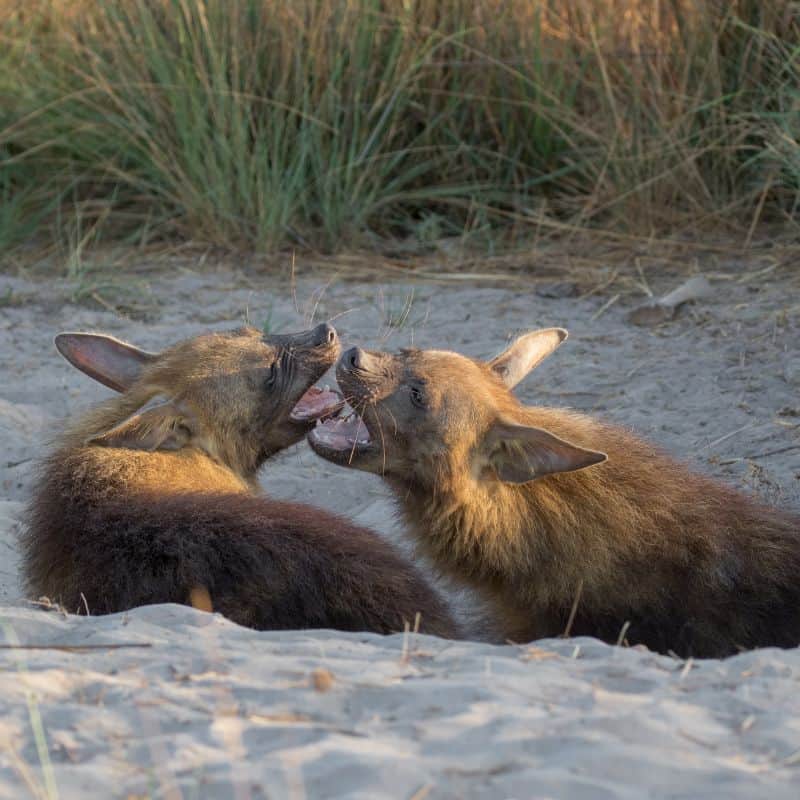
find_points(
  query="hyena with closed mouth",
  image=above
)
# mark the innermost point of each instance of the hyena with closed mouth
(563, 522)
(152, 496)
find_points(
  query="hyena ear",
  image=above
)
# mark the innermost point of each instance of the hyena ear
(518, 453)
(108, 360)
(525, 353)
(158, 425)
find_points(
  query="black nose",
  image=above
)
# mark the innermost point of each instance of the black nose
(324, 334)
(354, 357)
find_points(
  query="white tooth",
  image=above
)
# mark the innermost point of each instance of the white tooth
(326, 387)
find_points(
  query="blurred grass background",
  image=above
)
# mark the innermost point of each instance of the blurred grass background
(261, 125)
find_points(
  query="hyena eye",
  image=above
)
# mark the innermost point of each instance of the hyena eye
(417, 398)
(272, 374)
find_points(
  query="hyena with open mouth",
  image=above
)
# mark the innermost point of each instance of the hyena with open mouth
(152, 497)
(563, 522)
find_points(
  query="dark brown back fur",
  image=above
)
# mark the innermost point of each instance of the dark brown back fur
(265, 564)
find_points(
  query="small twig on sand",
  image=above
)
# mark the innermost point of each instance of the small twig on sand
(772, 452)
(573, 610)
(47, 604)
(101, 301)
(623, 631)
(422, 792)
(758, 274)
(445, 277)
(790, 760)
(729, 435)
(602, 310)
(77, 648)
(404, 652)
(600, 286)
(644, 284)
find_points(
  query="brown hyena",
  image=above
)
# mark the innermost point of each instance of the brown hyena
(152, 496)
(560, 521)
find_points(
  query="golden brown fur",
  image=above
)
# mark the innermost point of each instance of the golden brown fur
(691, 565)
(151, 497)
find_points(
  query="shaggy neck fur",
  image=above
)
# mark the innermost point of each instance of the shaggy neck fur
(189, 469)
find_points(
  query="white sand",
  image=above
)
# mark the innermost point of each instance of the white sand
(213, 710)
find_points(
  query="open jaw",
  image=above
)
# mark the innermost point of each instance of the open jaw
(317, 404)
(341, 439)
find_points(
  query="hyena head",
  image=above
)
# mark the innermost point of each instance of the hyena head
(432, 417)
(239, 396)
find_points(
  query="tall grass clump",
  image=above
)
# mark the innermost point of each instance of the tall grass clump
(261, 124)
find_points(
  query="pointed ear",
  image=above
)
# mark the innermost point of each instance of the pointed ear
(518, 453)
(159, 425)
(514, 363)
(108, 360)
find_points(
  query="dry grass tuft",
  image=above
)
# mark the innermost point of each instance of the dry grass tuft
(405, 124)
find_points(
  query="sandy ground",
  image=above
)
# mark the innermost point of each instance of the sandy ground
(212, 710)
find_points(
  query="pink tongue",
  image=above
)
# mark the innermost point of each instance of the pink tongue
(342, 434)
(317, 404)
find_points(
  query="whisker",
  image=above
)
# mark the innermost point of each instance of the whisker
(319, 295)
(342, 313)
(383, 445)
(358, 429)
(394, 420)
